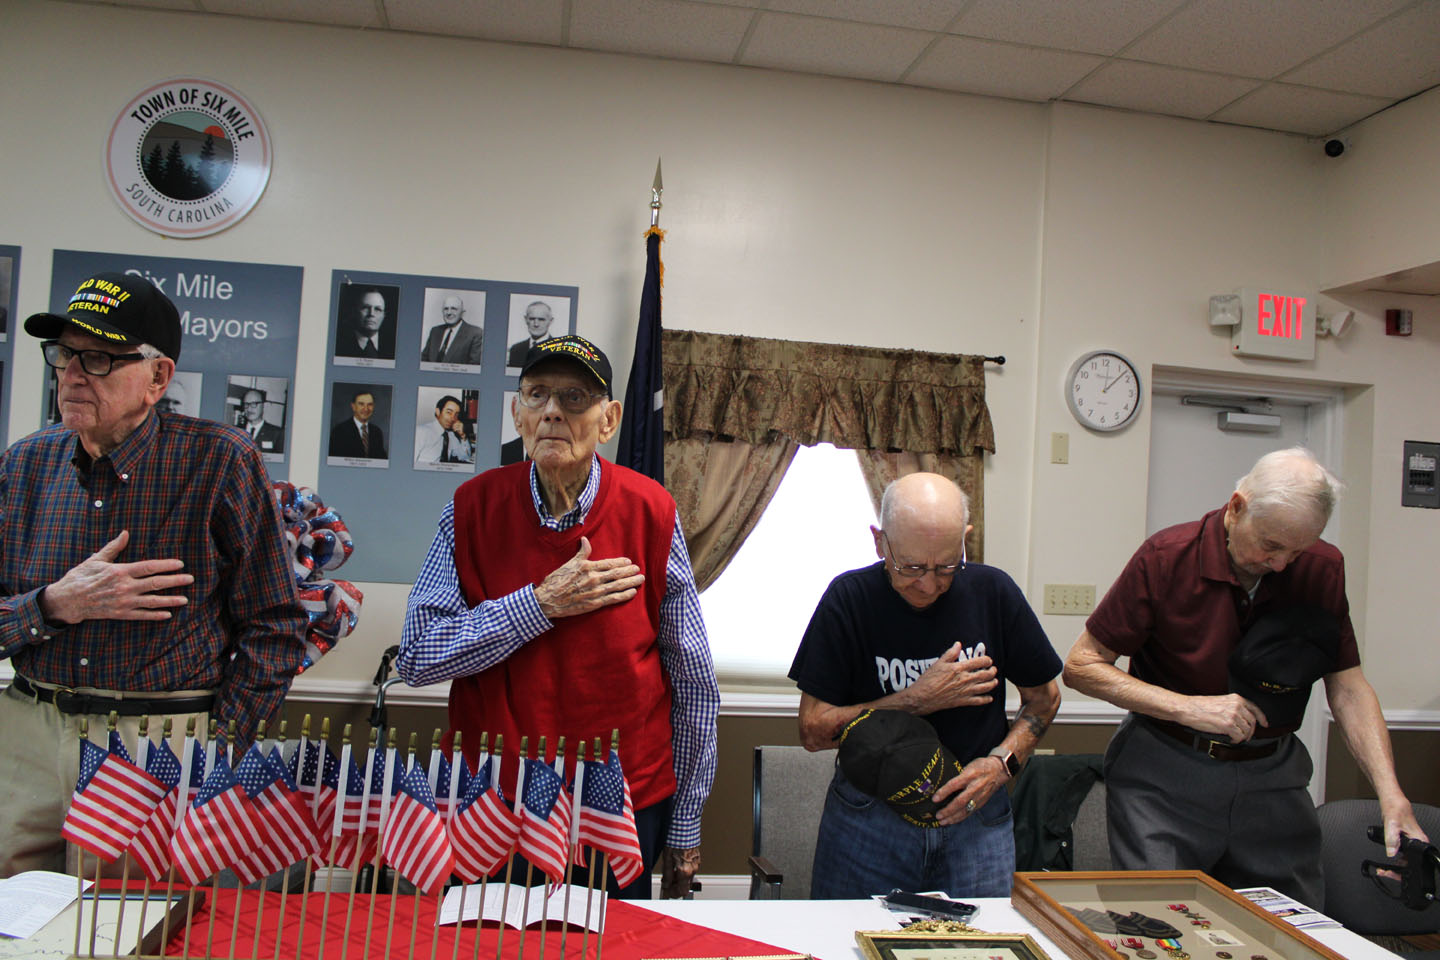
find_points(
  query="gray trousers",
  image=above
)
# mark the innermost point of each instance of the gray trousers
(1247, 824)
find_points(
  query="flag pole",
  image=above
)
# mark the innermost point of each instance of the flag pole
(440, 896)
(80, 860)
(456, 758)
(145, 894)
(510, 862)
(210, 754)
(604, 860)
(482, 757)
(377, 861)
(565, 877)
(260, 909)
(285, 886)
(529, 867)
(576, 794)
(215, 879)
(344, 785)
(182, 801)
(390, 927)
(360, 844)
(142, 756)
(590, 888)
(110, 723)
(320, 749)
(657, 187)
(642, 433)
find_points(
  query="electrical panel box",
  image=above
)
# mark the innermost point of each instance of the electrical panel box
(1420, 485)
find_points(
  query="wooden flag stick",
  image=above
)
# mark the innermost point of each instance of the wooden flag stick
(215, 880)
(604, 859)
(529, 867)
(184, 801)
(510, 861)
(79, 859)
(260, 908)
(285, 885)
(166, 732)
(589, 895)
(377, 862)
(457, 758)
(110, 723)
(545, 904)
(360, 845)
(189, 918)
(494, 783)
(305, 883)
(450, 812)
(142, 744)
(344, 784)
(415, 907)
(575, 796)
(235, 920)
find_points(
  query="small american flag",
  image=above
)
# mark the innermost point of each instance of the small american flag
(281, 813)
(607, 818)
(150, 847)
(415, 841)
(218, 829)
(355, 845)
(113, 799)
(545, 820)
(441, 784)
(484, 830)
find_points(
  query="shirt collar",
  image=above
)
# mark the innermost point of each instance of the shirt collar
(125, 457)
(583, 503)
(1214, 557)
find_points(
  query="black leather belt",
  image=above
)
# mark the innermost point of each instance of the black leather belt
(1216, 749)
(72, 703)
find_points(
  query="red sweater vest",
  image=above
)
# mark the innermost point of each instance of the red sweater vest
(590, 673)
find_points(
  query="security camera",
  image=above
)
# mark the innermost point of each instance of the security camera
(1334, 148)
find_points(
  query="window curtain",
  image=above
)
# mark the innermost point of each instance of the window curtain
(737, 408)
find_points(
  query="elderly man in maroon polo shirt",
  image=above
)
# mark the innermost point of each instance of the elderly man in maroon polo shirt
(1199, 777)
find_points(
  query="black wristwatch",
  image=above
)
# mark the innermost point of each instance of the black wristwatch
(1007, 757)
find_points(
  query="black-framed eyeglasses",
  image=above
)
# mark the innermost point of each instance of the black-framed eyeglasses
(97, 363)
(571, 399)
(914, 571)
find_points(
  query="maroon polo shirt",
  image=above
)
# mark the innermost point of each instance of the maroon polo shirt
(1177, 610)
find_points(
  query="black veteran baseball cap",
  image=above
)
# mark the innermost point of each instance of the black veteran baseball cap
(896, 757)
(119, 308)
(572, 347)
(1280, 657)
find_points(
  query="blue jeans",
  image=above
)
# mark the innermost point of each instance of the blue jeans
(865, 848)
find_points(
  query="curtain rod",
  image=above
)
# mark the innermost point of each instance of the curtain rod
(998, 361)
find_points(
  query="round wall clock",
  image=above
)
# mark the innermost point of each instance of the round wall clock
(1103, 391)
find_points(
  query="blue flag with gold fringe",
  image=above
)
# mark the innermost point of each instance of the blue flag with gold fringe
(642, 431)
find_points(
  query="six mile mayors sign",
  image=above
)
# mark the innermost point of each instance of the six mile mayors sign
(188, 157)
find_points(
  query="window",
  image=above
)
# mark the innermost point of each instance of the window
(816, 527)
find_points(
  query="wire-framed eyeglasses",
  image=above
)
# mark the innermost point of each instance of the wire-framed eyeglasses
(571, 399)
(97, 363)
(914, 571)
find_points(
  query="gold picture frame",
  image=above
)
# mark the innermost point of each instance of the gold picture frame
(1236, 926)
(926, 945)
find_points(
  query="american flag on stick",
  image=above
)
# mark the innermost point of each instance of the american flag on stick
(484, 830)
(545, 819)
(113, 799)
(281, 812)
(607, 818)
(150, 847)
(218, 829)
(415, 841)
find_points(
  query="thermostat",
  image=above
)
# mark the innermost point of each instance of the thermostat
(1420, 488)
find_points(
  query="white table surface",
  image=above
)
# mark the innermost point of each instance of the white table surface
(826, 928)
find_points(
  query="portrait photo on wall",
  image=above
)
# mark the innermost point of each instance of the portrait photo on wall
(445, 429)
(365, 320)
(183, 394)
(260, 406)
(533, 319)
(452, 330)
(7, 285)
(512, 445)
(359, 425)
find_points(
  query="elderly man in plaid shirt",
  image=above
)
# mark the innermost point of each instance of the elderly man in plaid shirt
(530, 601)
(142, 565)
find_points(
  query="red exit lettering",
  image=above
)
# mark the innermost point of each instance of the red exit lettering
(1280, 316)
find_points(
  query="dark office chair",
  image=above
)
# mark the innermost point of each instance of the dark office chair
(1351, 897)
(1060, 819)
(790, 788)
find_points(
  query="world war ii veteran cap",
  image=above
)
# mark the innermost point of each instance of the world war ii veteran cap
(572, 347)
(1280, 657)
(896, 757)
(118, 308)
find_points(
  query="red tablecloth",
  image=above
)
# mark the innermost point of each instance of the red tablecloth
(631, 932)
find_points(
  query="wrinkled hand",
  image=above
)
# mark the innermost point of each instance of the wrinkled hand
(1399, 819)
(952, 682)
(677, 869)
(1230, 715)
(974, 784)
(458, 428)
(581, 585)
(102, 589)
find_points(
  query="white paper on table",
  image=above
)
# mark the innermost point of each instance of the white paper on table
(32, 899)
(515, 915)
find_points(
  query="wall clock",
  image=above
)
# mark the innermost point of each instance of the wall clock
(1103, 391)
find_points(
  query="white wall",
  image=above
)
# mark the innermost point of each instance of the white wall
(796, 207)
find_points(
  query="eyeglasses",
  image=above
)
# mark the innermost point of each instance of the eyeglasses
(97, 363)
(571, 399)
(914, 571)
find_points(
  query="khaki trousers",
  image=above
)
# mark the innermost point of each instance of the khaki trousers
(39, 763)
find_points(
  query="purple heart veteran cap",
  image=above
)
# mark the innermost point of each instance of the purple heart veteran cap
(898, 758)
(118, 308)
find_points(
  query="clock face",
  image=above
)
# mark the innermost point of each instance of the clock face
(1104, 391)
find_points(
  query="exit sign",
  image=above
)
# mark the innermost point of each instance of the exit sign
(1275, 324)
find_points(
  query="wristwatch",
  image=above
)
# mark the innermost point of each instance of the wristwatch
(1007, 757)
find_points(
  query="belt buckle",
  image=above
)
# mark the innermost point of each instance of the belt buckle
(64, 699)
(1210, 750)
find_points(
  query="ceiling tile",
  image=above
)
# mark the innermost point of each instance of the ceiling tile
(344, 13)
(916, 14)
(1155, 89)
(1315, 113)
(661, 28)
(1394, 59)
(1001, 69)
(833, 47)
(1251, 39)
(1095, 26)
(521, 21)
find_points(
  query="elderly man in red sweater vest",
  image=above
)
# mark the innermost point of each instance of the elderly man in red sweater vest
(558, 597)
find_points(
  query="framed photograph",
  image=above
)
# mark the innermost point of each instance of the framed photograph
(976, 945)
(1150, 913)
